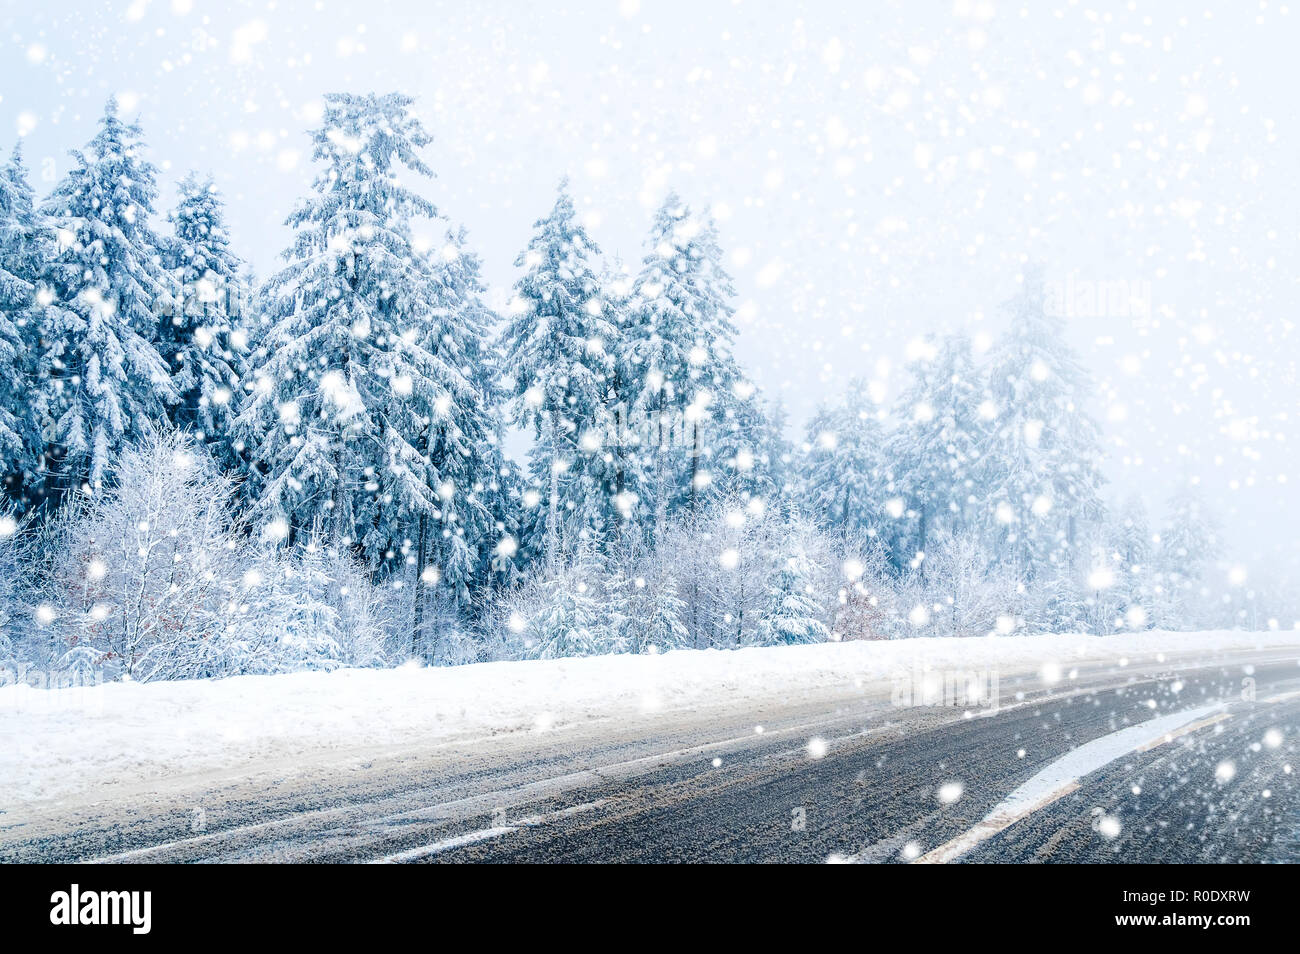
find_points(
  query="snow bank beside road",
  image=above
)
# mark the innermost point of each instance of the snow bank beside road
(54, 743)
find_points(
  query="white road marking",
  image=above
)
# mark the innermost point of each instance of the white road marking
(1061, 777)
(532, 820)
(447, 844)
(483, 834)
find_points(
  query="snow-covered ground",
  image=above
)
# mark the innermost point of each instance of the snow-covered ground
(58, 743)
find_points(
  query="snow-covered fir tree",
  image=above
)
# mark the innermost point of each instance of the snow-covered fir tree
(26, 247)
(348, 399)
(1056, 601)
(471, 535)
(782, 461)
(17, 582)
(1129, 534)
(1188, 547)
(1042, 455)
(563, 613)
(627, 438)
(793, 614)
(108, 383)
(318, 610)
(844, 473)
(682, 376)
(1128, 538)
(645, 611)
(747, 453)
(559, 346)
(934, 451)
(204, 340)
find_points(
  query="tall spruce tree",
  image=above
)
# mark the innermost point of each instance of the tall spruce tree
(348, 398)
(470, 538)
(204, 340)
(109, 385)
(26, 247)
(844, 465)
(682, 374)
(935, 450)
(559, 348)
(1042, 453)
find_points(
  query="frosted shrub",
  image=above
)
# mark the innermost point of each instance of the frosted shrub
(15, 554)
(563, 613)
(312, 607)
(964, 590)
(868, 602)
(141, 573)
(746, 575)
(154, 578)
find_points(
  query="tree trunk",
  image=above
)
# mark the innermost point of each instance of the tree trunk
(418, 611)
(695, 462)
(922, 533)
(553, 502)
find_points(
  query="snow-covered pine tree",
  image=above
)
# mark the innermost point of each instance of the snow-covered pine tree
(245, 339)
(564, 610)
(1128, 536)
(1129, 533)
(1042, 454)
(203, 341)
(645, 612)
(793, 614)
(319, 610)
(747, 452)
(26, 247)
(1056, 600)
(456, 545)
(934, 452)
(843, 467)
(626, 443)
(16, 582)
(680, 331)
(345, 387)
(559, 348)
(1189, 543)
(109, 385)
(780, 452)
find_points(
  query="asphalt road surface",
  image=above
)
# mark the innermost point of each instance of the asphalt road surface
(1161, 760)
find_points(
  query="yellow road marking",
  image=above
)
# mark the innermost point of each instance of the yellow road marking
(1170, 736)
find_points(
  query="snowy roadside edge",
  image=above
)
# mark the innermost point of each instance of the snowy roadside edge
(56, 743)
